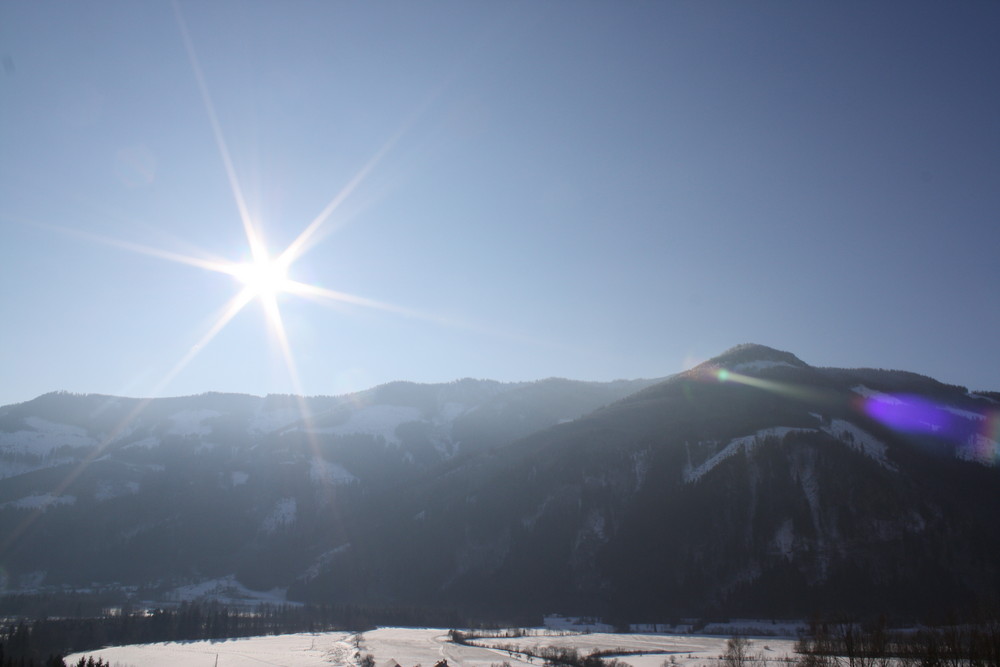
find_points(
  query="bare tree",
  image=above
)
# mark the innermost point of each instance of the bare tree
(740, 653)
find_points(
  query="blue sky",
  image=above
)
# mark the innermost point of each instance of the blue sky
(591, 190)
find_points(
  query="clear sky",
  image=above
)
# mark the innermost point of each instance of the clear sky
(592, 190)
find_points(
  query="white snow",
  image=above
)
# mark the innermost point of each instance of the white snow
(322, 561)
(877, 395)
(860, 440)
(687, 650)
(759, 365)
(40, 502)
(967, 414)
(283, 514)
(107, 490)
(15, 468)
(189, 422)
(980, 449)
(268, 421)
(640, 466)
(844, 431)
(426, 646)
(375, 420)
(451, 411)
(327, 472)
(593, 525)
(784, 538)
(238, 477)
(745, 443)
(44, 438)
(226, 590)
(146, 443)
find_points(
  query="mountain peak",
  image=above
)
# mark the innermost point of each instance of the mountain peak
(752, 355)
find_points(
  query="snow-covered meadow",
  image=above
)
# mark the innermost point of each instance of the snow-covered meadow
(423, 646)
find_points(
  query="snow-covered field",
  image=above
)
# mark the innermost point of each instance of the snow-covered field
(422, 646)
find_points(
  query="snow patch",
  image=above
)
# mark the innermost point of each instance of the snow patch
(640, 466)
(283, 514)
(238, 477)
(226, 590)
(859, 440)
(45, 437)
(108, 490)
(877, 395)
(40, 502)
(145, 443)
(784, 538)
(426, 646)
(15, 468)
(451, 411)
(745, 443)
(980, 449)
(268, 421)
(375, 420)
(967, 414)
(189, 422)
(594, 525)
(322, 562)
(326, 472)
(759, 365)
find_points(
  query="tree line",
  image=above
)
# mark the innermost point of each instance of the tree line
(51, 661)
(42, 639)
(956, 643)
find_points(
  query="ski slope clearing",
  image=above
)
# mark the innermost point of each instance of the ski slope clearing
(423, 646)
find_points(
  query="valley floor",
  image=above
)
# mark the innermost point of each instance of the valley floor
(422, 646)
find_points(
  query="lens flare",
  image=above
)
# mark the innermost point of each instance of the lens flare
(971, 434)
(799, 392)
(909, 414)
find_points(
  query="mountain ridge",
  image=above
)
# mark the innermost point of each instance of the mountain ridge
(752, 483)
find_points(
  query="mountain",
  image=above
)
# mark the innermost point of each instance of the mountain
(753, 484)
(175, 496)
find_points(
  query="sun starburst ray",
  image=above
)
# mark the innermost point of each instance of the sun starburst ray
(308, 238)
(228, 312)
(208, 263)
(253, 237)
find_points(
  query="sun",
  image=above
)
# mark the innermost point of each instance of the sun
(264, 276)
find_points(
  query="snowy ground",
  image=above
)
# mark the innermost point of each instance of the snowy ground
(421, 646)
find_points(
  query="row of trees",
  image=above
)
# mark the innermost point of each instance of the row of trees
(974, 643)
(51, 661)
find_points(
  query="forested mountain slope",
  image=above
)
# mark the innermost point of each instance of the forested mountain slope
(753, 484)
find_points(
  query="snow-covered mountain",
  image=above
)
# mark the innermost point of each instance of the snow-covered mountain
(752, 484)
(192, 489)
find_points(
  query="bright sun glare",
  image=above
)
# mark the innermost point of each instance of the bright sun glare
(264, 276)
